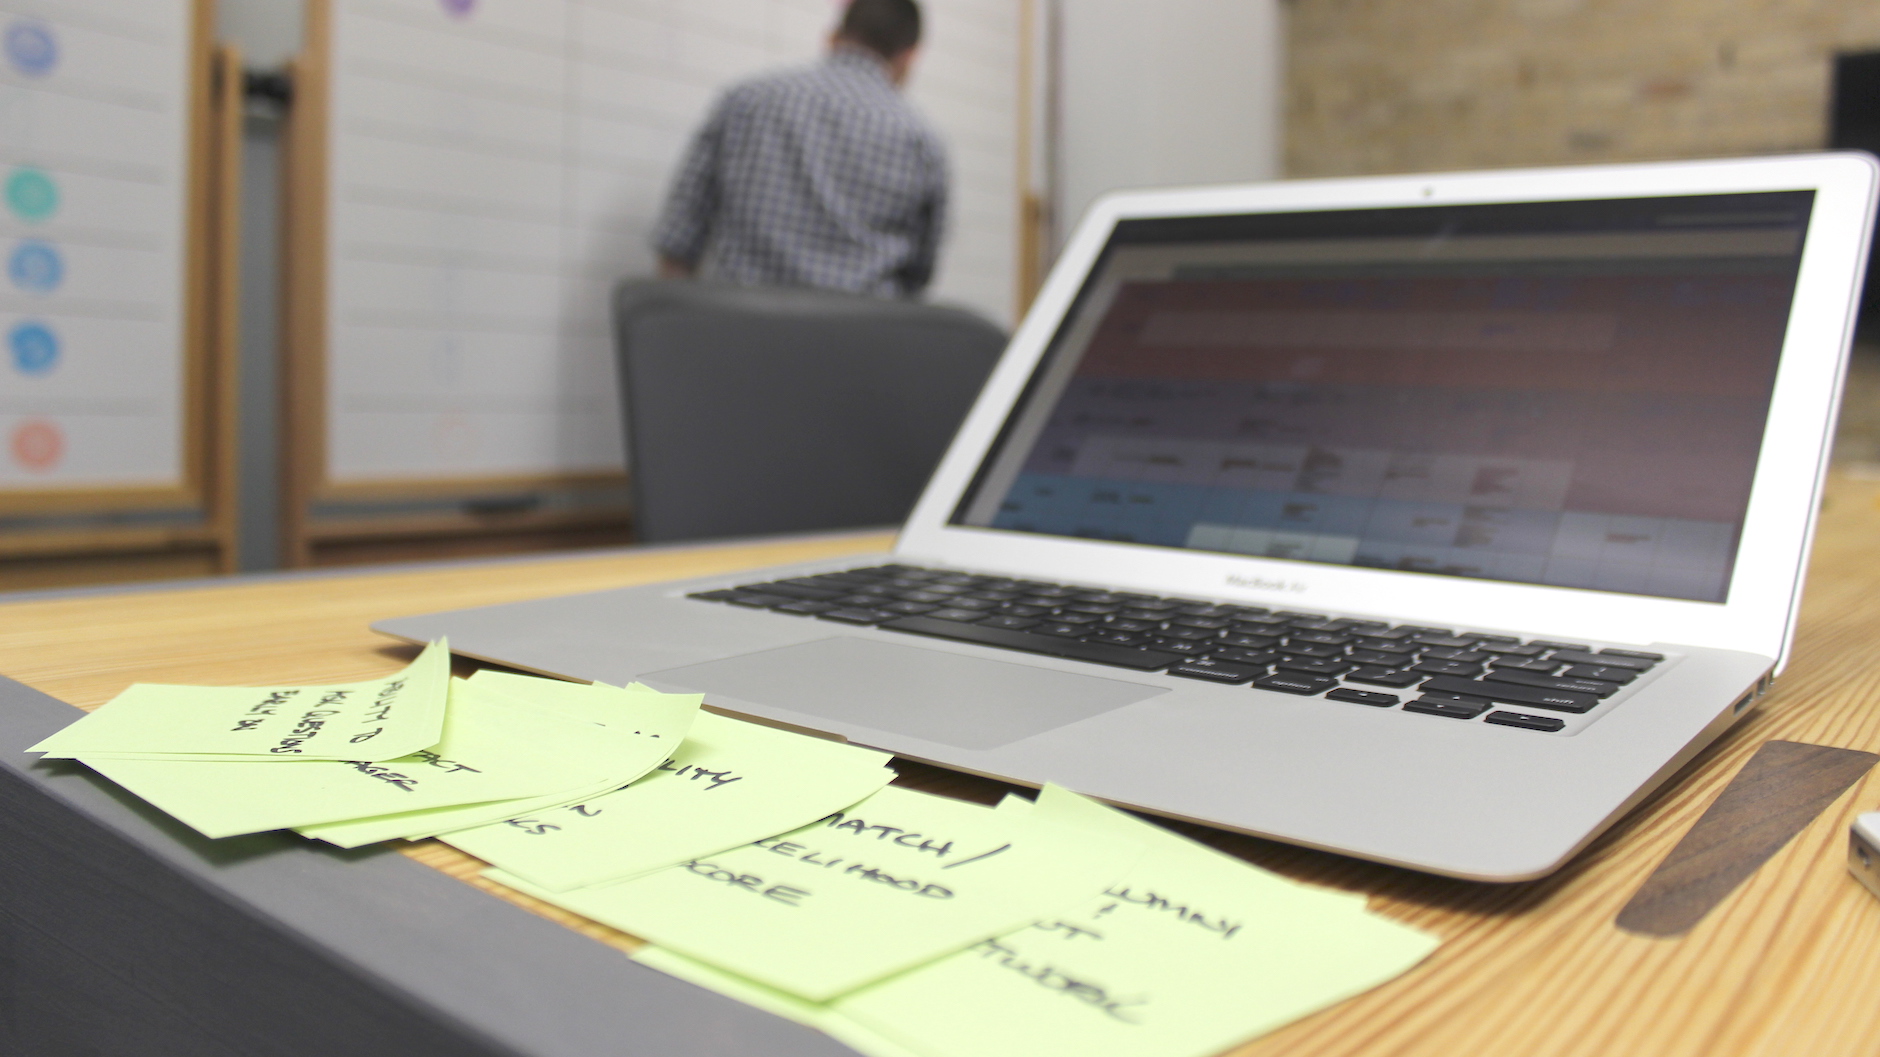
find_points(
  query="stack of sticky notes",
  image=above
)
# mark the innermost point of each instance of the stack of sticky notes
(407, 755)
(771, 866)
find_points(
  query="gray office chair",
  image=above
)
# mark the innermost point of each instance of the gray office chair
(753, 411)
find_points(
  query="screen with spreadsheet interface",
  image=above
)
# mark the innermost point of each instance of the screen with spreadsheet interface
(1564, 393)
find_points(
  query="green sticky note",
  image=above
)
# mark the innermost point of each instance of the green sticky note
(898, 879)
(1189, 953)
(729, 784)
(491, 750)
(375, 721)
(1192, 952)
(817, 1015)
(656, 722)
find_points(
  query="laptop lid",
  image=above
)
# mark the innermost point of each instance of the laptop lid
(1591, 402)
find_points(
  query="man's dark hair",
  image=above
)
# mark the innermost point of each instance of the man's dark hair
(885, 27)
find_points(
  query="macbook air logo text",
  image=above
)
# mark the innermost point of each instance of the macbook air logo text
(1260, 583)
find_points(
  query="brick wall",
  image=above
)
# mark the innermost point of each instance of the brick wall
(1416, 85)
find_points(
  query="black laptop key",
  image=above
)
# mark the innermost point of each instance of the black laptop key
(969, 602)
(725, 595)
(1133, 613)
(1613, 660)
(1133, 625)
(1182, 646)
(1118, 638)
(805, 608)
(758, 599)
(1508, 649)
(935, 597)
(1315, 665)
(1049, 645)
(1451, 641)
(1450, 709)
(1526, 664)
(1494, 690)
(1548, 644)
(1076, 618)
(1095, 609)
(1009, 623)
(1377, 657)
(857, 615)
(1372, 642)
(956, 614)
(1066, 631)
(1311, 649)
(1444, 695)
(1600, 671)
(1208, 611)
(1191, 634)
(1525, 721)
(909, 609)
(1447, 668)
(1385, 677)
(1239, 655)
(1445, 653)
(1362, 697)
(1483, 638)
(1295, 683)
(1642, 655)
(1248, 641)
(1016, 610)
(1205, 623)
(1323, 638)
(1420, 629)
(1215, 671)
(1596, 687)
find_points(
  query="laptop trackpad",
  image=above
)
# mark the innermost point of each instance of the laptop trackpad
(966, 702)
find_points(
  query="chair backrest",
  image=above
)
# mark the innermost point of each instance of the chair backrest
(753, 411)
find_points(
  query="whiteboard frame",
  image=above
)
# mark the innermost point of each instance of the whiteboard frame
(306, 267)
(210, 215)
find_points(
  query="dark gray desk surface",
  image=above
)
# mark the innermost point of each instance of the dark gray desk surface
(123, 933)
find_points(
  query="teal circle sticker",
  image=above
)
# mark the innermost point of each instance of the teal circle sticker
(31, 194)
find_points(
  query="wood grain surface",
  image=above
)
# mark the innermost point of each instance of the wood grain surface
(1788, 964)
(1775, 796)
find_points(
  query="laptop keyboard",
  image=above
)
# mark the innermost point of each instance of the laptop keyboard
(1428, 670)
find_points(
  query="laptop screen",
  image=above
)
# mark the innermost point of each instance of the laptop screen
(1566, 393)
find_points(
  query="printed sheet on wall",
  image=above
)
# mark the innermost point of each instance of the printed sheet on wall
(497, 165)
(94, 120)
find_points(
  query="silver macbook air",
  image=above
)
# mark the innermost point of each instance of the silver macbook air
(1429, 519)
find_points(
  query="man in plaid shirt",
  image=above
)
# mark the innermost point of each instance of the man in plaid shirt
(820, 177)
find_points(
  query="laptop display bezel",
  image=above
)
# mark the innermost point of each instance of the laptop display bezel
(1757, 614)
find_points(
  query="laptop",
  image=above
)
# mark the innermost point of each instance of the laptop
(1434, 520)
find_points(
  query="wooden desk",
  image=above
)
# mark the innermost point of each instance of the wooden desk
(1789, 964)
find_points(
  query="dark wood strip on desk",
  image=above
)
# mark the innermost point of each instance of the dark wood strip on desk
(1787, 964)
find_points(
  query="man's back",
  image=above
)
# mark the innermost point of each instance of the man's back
(821, 176)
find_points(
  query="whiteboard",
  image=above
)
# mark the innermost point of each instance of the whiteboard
(94, 119)
(497, 165)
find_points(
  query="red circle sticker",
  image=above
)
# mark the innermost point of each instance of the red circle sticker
(38, 444)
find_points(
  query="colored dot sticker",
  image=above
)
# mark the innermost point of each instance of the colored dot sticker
(37, 444)
(31, 194)
(36, 267)
(34, 346)
(31, 48)
(459, 8)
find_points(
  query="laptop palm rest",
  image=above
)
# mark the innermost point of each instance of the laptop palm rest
(965, 702)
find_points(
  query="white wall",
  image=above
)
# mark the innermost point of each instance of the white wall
(1164, 93)
(268, 31)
